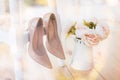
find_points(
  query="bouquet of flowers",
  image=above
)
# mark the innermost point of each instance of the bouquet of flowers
(91, 32)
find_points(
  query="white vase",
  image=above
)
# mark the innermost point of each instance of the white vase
(82, 56)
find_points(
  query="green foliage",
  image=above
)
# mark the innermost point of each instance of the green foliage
(72, 30)
(91, 25)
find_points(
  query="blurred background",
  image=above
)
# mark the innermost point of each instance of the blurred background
(15, 64)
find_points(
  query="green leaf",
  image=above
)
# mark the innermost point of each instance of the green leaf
(90, 25)
(72, 30)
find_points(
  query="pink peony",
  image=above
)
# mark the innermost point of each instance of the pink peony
(91, 39)
(87, 35)
(102, 31)
(91, 34)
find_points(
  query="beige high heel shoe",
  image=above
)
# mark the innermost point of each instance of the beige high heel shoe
(36, 47)
(53, 42)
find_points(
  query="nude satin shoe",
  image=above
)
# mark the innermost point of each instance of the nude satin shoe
(36, 48)
(53, 42)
